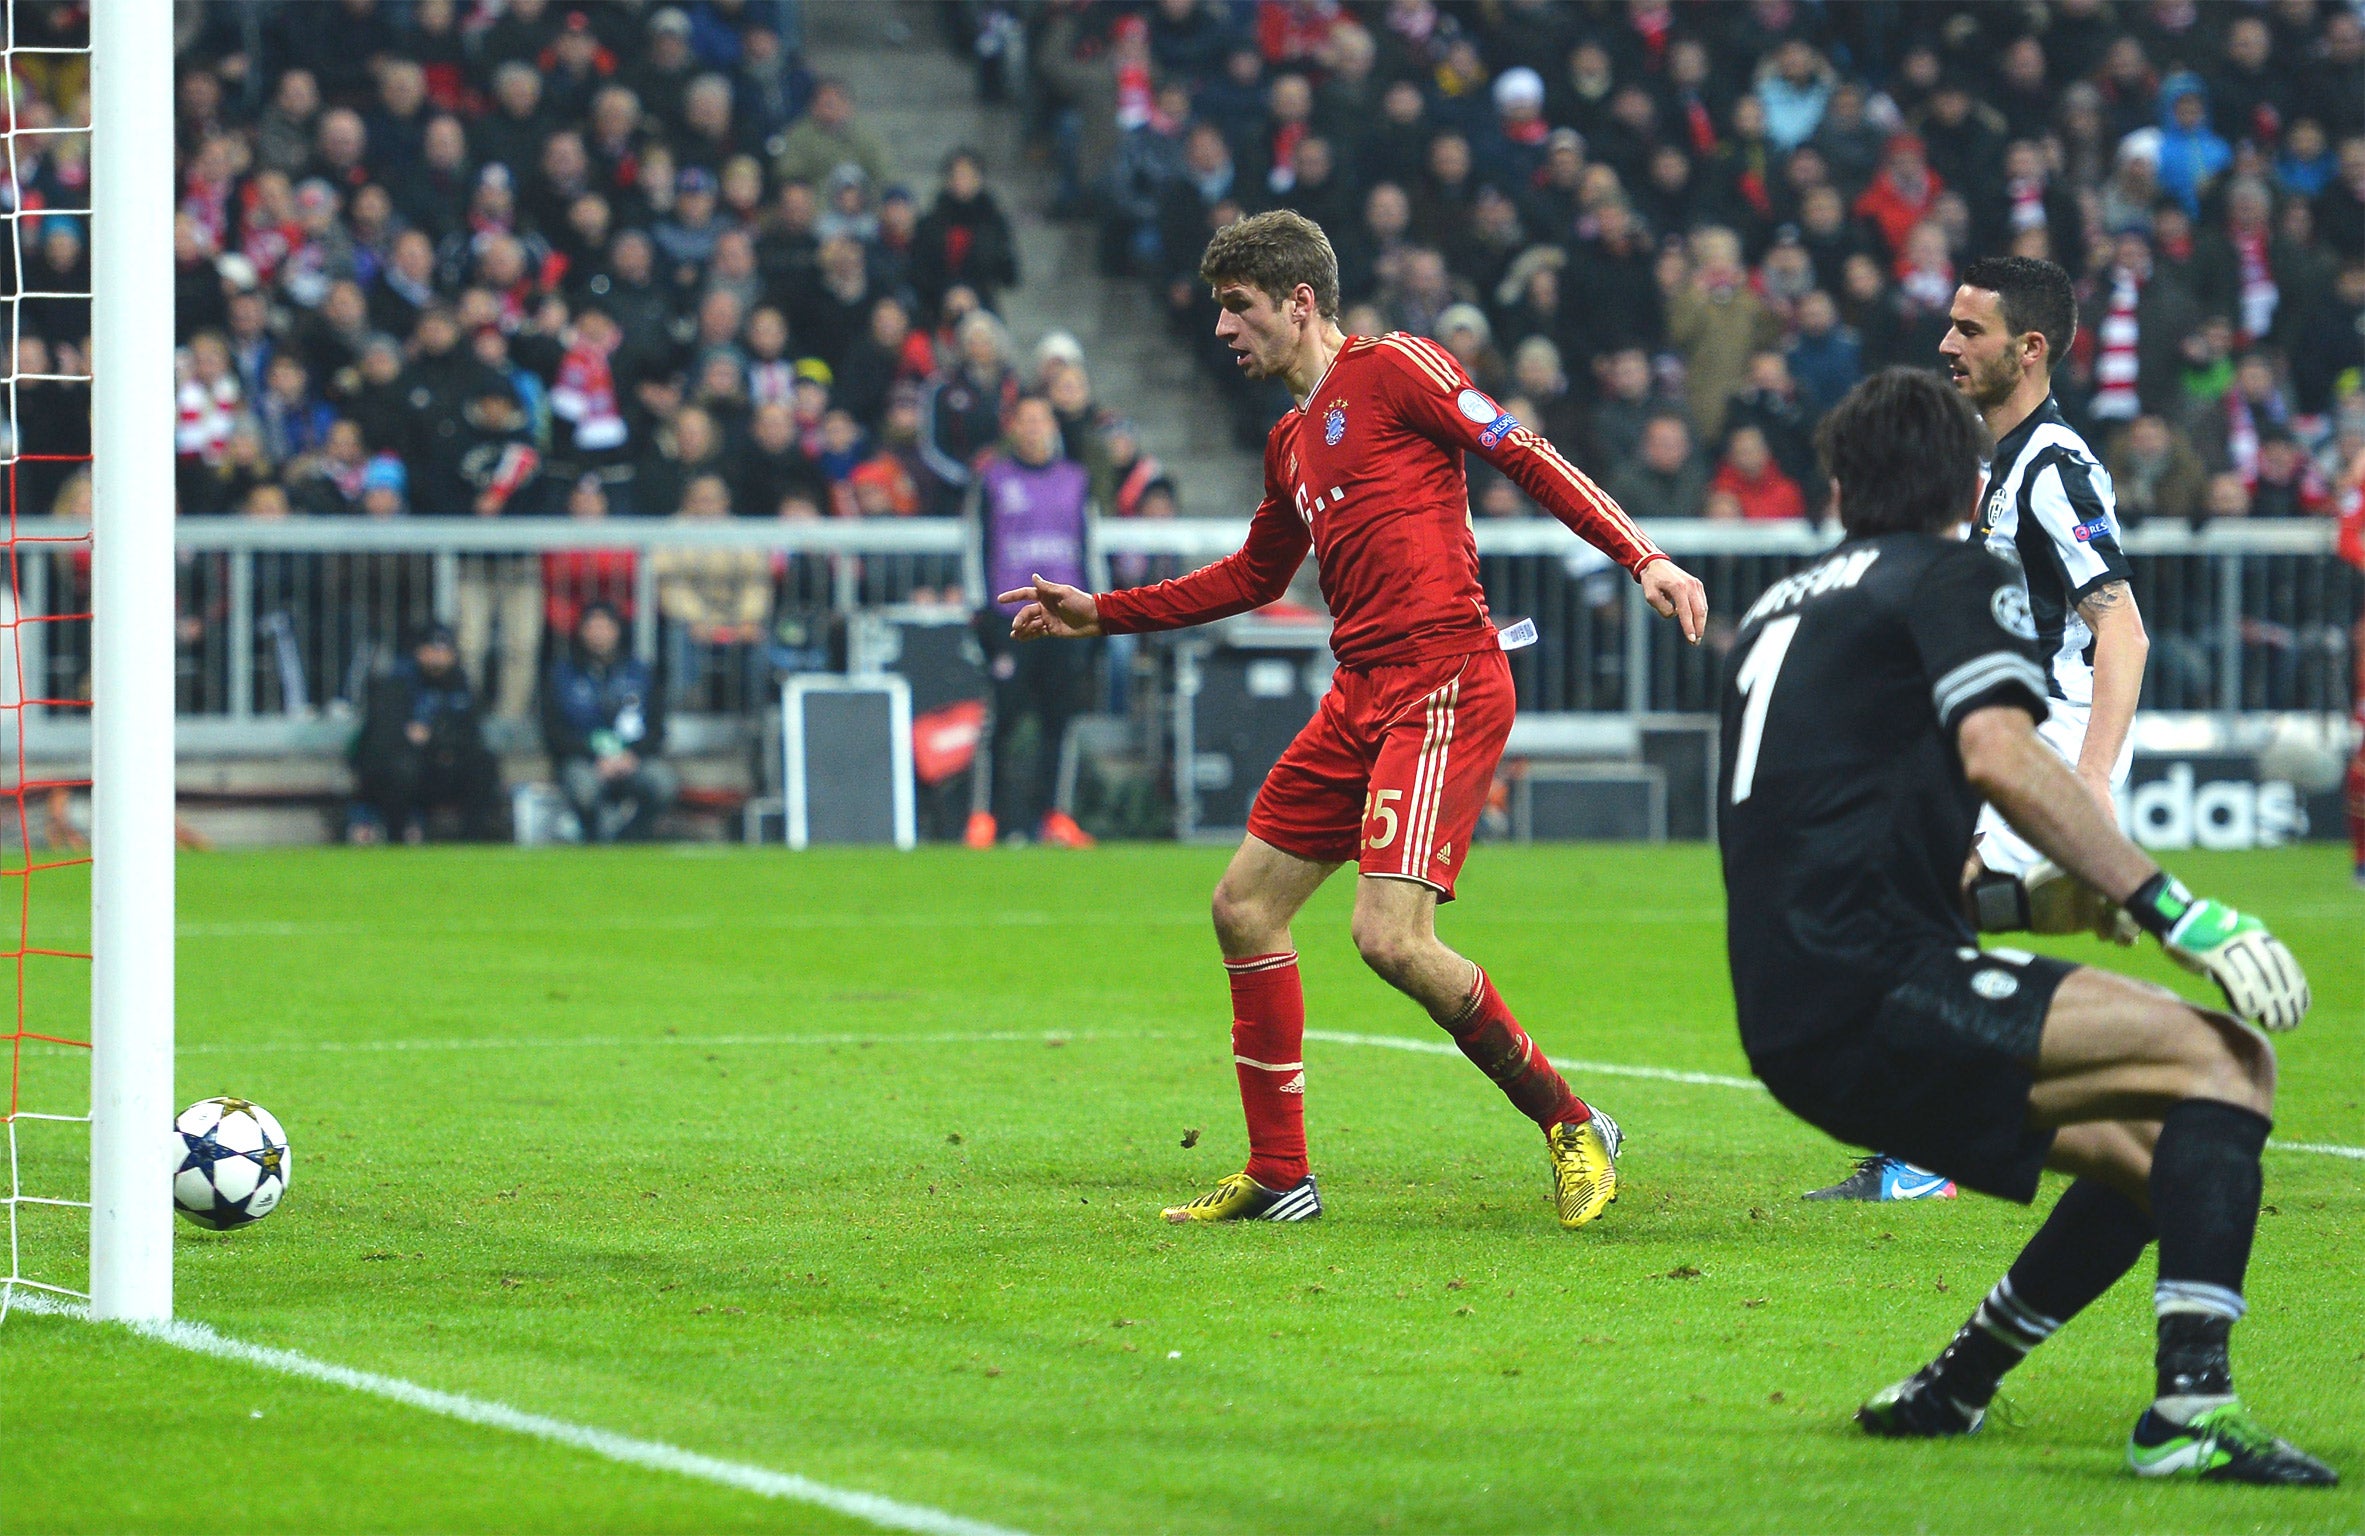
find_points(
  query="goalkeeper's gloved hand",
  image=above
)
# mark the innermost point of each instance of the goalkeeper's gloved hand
(2046, 899)
(2260, 979)
(2059, 902)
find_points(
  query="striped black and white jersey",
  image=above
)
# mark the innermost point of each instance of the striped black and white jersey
(2050, 510)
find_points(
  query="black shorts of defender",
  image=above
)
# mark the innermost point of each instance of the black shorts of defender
(1937, 1073)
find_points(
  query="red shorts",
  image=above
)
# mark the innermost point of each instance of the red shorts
(1394, 768)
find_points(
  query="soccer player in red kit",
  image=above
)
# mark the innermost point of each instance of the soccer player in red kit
(1394, 768)
(2352, 550)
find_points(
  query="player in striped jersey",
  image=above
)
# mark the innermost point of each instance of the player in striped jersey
(1395, 766)
(2048, 509)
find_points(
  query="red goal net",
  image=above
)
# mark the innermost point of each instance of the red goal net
(44, 671)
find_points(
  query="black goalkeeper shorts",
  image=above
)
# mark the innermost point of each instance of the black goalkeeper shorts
(1937, 1072)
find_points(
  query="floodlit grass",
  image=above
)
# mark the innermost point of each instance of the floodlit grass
(849, 1165)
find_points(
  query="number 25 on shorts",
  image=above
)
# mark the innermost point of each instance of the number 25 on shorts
(1376, 808)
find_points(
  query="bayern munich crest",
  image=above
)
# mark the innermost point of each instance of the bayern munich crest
(1334, 423)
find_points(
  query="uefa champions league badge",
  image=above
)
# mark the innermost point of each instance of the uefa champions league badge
(1494, 423)
(1334, 423)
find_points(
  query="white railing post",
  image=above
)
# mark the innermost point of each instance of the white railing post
(241, 630)
(1639, 618)
(131, 998)
(2229, 633)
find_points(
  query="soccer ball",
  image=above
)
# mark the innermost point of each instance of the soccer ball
(234, 1163)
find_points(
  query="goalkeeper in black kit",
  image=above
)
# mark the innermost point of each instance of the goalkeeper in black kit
(1874, 700)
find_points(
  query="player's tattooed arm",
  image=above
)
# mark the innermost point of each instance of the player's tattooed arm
(2106, 600)
(2120, 650)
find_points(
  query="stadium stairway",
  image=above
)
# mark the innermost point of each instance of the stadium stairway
(922, 100)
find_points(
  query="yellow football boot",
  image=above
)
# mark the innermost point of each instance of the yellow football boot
(1584, 1167)
(1241, 1198)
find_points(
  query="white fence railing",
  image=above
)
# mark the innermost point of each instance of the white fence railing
(282, 621)
(1197, 538)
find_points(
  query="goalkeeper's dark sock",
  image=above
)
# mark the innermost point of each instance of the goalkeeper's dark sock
(1494, 1042)
(2205, 1185)
(2093, 1236)
(1268, 1044)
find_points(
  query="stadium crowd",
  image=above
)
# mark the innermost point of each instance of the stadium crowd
(634, 259)
(532, 258)
(1672, 235)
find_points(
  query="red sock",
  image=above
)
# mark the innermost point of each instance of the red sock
(1495, 1043)
(1268, 1040)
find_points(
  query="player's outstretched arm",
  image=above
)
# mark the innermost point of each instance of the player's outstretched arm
(1253, 575)
(2045, 802)
(1053, 611)
(1438, 401)
(1677, 594)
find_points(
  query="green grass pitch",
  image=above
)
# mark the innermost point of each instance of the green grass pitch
(848, 1165)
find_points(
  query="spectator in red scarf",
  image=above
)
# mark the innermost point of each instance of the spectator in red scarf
(574, 579)
(1519, 119)
(268, 226)
(1294, 31)
(964, 239)
(1289, 109)
(2031, 199)
(585, 399)
(1751, 477)
(1651, 25)
(207, 186)
(2244, 271)
(573, 67)
(2284, 481)
(2164, 311)
(1902, 194)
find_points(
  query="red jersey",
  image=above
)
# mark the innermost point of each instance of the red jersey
(1368, 474)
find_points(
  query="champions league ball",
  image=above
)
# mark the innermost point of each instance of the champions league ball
(234, 1163)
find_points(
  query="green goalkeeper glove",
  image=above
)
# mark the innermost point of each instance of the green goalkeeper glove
(2256, 972)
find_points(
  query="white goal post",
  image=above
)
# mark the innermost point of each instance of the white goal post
(132, 1153)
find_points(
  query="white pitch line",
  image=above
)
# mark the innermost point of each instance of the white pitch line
(629, 1450)
(627, 1042)
(1594, 1068)
(1417, 1046)
(629, 922)
(1703, 1079)
(2327, 1148)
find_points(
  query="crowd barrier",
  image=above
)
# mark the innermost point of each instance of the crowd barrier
(282, 622)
